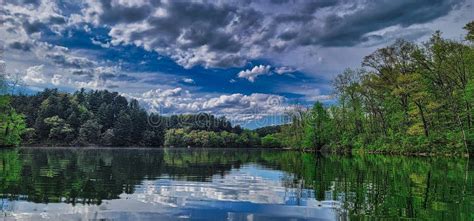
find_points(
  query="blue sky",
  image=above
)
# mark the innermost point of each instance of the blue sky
(248, 60)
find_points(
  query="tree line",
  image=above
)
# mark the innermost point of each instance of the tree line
(103, 118)
(405, 97)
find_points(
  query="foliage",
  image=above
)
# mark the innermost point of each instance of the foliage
(270, 141)
(201, 138)
(12, 124)
(89, 133)
(264, 131)
(108, 119)
(405, 98)
(317, 130)
(470, 31)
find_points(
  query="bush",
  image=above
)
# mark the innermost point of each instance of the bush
(270, 141)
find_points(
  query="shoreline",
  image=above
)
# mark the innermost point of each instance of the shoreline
(354, 152)
(361, 152)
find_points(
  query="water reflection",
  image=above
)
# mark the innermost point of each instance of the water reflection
(138, 184)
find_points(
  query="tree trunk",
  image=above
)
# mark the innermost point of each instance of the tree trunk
(469, 119)
(463, 133)
(425, 123)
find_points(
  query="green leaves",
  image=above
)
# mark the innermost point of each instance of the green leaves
(412, 98)
(12, 124)
(470, 31)
(270, 141)
(200, 138)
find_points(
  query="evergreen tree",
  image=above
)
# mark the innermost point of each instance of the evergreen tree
(122, 130)
(317, 131)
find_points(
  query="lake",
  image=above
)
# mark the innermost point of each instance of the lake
(230, 184)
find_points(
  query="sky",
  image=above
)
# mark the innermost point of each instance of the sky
(251, 61)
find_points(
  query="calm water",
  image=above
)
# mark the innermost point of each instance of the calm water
(206, 184)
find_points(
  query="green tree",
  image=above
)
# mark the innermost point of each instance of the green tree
(12, 124)
(139, 122)
(59, 130)
(270, 141)
(317, 130)
(89, 133)
(122, 130)
(470, 31)
(107, 138)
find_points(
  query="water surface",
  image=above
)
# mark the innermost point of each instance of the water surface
(229, 184)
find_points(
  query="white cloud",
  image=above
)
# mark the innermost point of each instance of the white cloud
(99, 43)
(252, 74)
(32, 19)
(219, 39)
(56, 79)
(284, 70)
(34, 75)
(188, 80)
(237, 107)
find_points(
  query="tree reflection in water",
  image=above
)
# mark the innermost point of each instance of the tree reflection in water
(262, 183)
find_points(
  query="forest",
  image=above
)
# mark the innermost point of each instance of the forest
(103, 118)
(405, 98)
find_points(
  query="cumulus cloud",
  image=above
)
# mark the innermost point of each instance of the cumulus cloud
(33, 18)
(224, 34)
(252, 74)
(192, 33)
(34, 75)
(238, 107)
(188, 80)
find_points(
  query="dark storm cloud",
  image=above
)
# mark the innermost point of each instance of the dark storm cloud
(117, 77)
(188, 26)
(216, 34)
(279, 1)
(312, 6)
(33, 27)
(202, 24)
(82, 72)
(58, 20)
(21, 2)
(297, 18)
(68, 61)
(32, 17)
(349, 30)
(116, 13)
(22, 46)
(289, 35)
